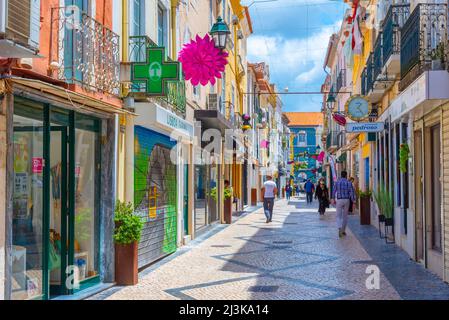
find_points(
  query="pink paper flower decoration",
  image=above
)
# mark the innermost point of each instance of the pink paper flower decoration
(202, 62)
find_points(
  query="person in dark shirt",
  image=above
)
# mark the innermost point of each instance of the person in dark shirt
(322, 194)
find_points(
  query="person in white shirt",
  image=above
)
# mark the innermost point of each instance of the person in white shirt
(270, 191)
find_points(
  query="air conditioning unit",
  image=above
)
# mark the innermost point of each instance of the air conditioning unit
(19, 28)
(212, 101)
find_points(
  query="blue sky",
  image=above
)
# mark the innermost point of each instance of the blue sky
(292, 37)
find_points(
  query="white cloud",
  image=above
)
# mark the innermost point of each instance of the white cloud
(299, 59)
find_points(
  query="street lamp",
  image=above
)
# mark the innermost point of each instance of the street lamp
(220, 33)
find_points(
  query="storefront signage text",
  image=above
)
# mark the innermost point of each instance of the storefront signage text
(365, 127)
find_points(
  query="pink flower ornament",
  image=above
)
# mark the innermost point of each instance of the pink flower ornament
(202, 62)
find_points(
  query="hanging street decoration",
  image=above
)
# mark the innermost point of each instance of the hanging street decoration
(246, 118)
(321, 157)
(339, 119)
(202, 62)
(155, 72)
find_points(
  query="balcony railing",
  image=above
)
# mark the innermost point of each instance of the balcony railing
(422, 35)
(369, 73)
(86, 52)
(391, 30)
(363, 90)
(175, 97)
(332, 140)
(341, 79)
(377, 57)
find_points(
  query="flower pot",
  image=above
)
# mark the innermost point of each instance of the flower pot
(365, 210)
(381, 218)
(389, 222)
(253, 197)
(228, 211)
(126, 265)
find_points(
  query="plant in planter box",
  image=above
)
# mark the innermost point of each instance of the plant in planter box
(404, 152)
(438, 57)
(128, 230)
(365, 207)
(384, 200)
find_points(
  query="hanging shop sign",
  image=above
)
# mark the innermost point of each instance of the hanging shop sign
(365, 127)
(358, 108)
(202, 62)
(154, 116)
(155, 72)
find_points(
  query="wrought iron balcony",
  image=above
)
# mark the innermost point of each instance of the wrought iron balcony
(423, 42)
(341, 79)
(369, 73)
(332, 140)
(391, 29)
(175, 98)
(86, 52)
(363, 89)
(377, 57)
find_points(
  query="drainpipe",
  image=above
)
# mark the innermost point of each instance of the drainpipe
(174, 5)
(125, 39)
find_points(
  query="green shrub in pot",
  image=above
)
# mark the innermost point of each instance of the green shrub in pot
(128, 226)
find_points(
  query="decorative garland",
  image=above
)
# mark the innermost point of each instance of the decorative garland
(404, 152)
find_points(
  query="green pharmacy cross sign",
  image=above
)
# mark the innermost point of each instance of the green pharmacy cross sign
(155, 72)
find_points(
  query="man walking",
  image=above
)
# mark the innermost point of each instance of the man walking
(309, 187)
(269, 191)
(342, 195)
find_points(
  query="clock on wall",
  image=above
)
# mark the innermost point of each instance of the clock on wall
(358, 108)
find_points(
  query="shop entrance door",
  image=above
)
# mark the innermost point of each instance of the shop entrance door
(419, 212)
(55, 201)
(56, 211)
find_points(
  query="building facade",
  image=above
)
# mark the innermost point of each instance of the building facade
(305, 129)
(401, 69)
(59, 115)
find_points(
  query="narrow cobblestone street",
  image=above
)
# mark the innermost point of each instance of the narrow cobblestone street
(298, 256)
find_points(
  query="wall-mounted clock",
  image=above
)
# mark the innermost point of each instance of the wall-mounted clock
(358, 108)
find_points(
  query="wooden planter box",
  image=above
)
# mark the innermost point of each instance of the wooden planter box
(228, 211)
(253, 197)
(126, 266)
(365, 210)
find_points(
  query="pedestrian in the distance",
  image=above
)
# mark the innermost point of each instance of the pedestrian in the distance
(288, 191)
(322, 194)
(309, 187)
(341, 196)
(297, 190)
(269, 191)
(351, 203)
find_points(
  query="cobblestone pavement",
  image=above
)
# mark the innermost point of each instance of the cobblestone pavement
(298, 256)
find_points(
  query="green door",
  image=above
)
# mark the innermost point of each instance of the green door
(186, 200)
(56, 201)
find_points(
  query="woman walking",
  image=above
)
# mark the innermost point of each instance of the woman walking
(322, 194)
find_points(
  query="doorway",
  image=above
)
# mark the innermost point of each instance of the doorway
(419, 199)
(433, 221)
(55, 201)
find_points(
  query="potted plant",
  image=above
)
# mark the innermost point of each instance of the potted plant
(128, 230)
(228, 205)
(365, 207)
(384, 200)
(438, 57)
(404, 152)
